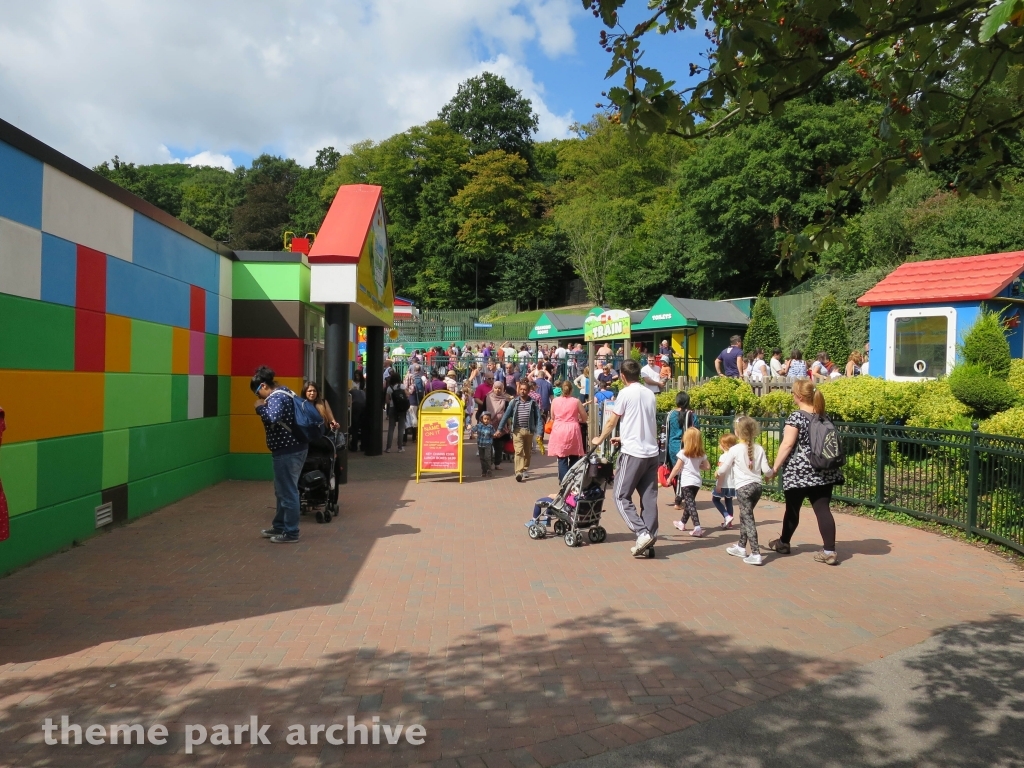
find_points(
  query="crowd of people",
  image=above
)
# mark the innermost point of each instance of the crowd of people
(752, 366)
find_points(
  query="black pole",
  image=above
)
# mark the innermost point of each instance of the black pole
(336, 361)
(373, 440)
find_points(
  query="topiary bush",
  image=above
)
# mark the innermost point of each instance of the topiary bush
(867, 399)
(985, 395)
(1010, 423)
(1016, 377)
(937, 408)
(763, 331)
(985, 346)
(722, 396)
(829, 332)
(776, 403)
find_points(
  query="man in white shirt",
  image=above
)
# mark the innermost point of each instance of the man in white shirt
(650, 375)
(633, 411)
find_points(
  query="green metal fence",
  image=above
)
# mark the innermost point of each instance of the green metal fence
(969, 480)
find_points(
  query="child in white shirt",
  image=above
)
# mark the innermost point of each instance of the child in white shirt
(724, 493)
(745, 462)
(689, 463)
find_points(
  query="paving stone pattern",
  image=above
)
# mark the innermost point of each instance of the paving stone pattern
(429, 604)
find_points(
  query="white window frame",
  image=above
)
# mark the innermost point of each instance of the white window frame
(890, 339)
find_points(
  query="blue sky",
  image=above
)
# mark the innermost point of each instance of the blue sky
(148, 83)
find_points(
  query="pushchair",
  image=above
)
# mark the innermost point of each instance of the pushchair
(579, 502)
(318, 483)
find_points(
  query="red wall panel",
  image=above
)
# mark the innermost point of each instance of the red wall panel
(283, 355)
(91, 280)
(90, 340)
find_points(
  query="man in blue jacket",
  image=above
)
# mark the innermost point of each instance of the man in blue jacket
(277, 410)
(522, 420)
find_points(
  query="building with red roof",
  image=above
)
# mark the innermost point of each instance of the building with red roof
(921, 310)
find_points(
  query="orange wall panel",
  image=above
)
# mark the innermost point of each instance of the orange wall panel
(224, 355)
(247, 434)
(243, 400)
(43, 404)
(119, 344)
(179, 350)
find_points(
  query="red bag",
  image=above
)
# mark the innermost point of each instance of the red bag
(509, 446)
(663, 473)
(5, 520)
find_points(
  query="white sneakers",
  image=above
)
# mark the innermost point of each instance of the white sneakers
(643, 541)
(737, 551)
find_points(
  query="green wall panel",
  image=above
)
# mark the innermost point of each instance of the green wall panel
(18, 463)
(68, 468)
(179, 398)
(250, 466)
(151, 347)
(44, 531)
(262, 280)
(164, 447)
(36, 335)
(136, 399)
(210, 356)
(223, 395)
(115, 458)
(166, 488)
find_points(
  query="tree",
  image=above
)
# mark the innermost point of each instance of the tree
(259, 221)
(536, 272)
(985, 345)
(763, 331)
(939, 70)
(594, 231)
(829, 333)
(492, 115)
(308, 205)
(207, 199)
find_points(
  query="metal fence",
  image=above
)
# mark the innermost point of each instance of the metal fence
(969, 480)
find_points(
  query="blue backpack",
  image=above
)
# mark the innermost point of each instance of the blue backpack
(309, 424)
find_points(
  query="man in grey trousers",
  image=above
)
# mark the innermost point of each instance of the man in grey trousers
(633, 411)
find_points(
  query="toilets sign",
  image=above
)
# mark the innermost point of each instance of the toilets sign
(610, 324)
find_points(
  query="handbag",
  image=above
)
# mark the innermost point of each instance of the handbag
(663, 473)
(411, 421)
(548, 426)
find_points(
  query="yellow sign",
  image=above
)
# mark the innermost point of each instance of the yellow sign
(440, 427)
(610, 324)
(374, 289)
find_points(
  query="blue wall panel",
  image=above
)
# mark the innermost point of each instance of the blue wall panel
(60, 269)
(134, 291)
(165, 251)
(212, 312)
(21, 187)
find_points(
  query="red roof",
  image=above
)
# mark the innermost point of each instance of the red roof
(970, 278)
(341, 236)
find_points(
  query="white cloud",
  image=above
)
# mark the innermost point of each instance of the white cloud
(204, 158)
(128, 78)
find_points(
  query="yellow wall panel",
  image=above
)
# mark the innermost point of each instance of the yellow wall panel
(118, 344)
(179, 350)
(42, 404)
(247, 434)
(224, 355)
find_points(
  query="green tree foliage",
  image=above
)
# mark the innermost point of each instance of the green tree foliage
(985, 346)
(258, 222)
(492, 115)
(941, 68)
(829, 332)
(763, 331)
(985, 395)
(309, 206)
(846, 288)
(537, 271)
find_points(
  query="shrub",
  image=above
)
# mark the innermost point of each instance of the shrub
(763, 331)
(829, 333)
(866, 399)
(985, 346)
(985, 395)
(1016, 378)
(776, 403)
(1009, 423)
(937, 408)
(722, 396)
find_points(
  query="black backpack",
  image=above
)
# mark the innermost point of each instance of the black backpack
(399, 398)
(826, 446)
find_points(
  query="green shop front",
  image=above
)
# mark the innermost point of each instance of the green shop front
(697, 331)
(552, 326)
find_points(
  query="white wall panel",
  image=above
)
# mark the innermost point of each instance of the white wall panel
(224, 328)
(195, 397)
(225, 276)
(21, 260)
(79, 213)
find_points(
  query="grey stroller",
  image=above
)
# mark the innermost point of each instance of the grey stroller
(578, 505)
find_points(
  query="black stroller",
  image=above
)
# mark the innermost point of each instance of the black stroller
(579, 502)
(318, 483)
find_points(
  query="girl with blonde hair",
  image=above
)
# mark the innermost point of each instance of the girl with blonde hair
(690, 461)
(746, 461)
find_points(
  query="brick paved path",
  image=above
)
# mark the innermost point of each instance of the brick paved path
(429, 603)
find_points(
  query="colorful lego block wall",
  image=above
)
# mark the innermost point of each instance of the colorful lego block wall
(270, 306)
(115, 359)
